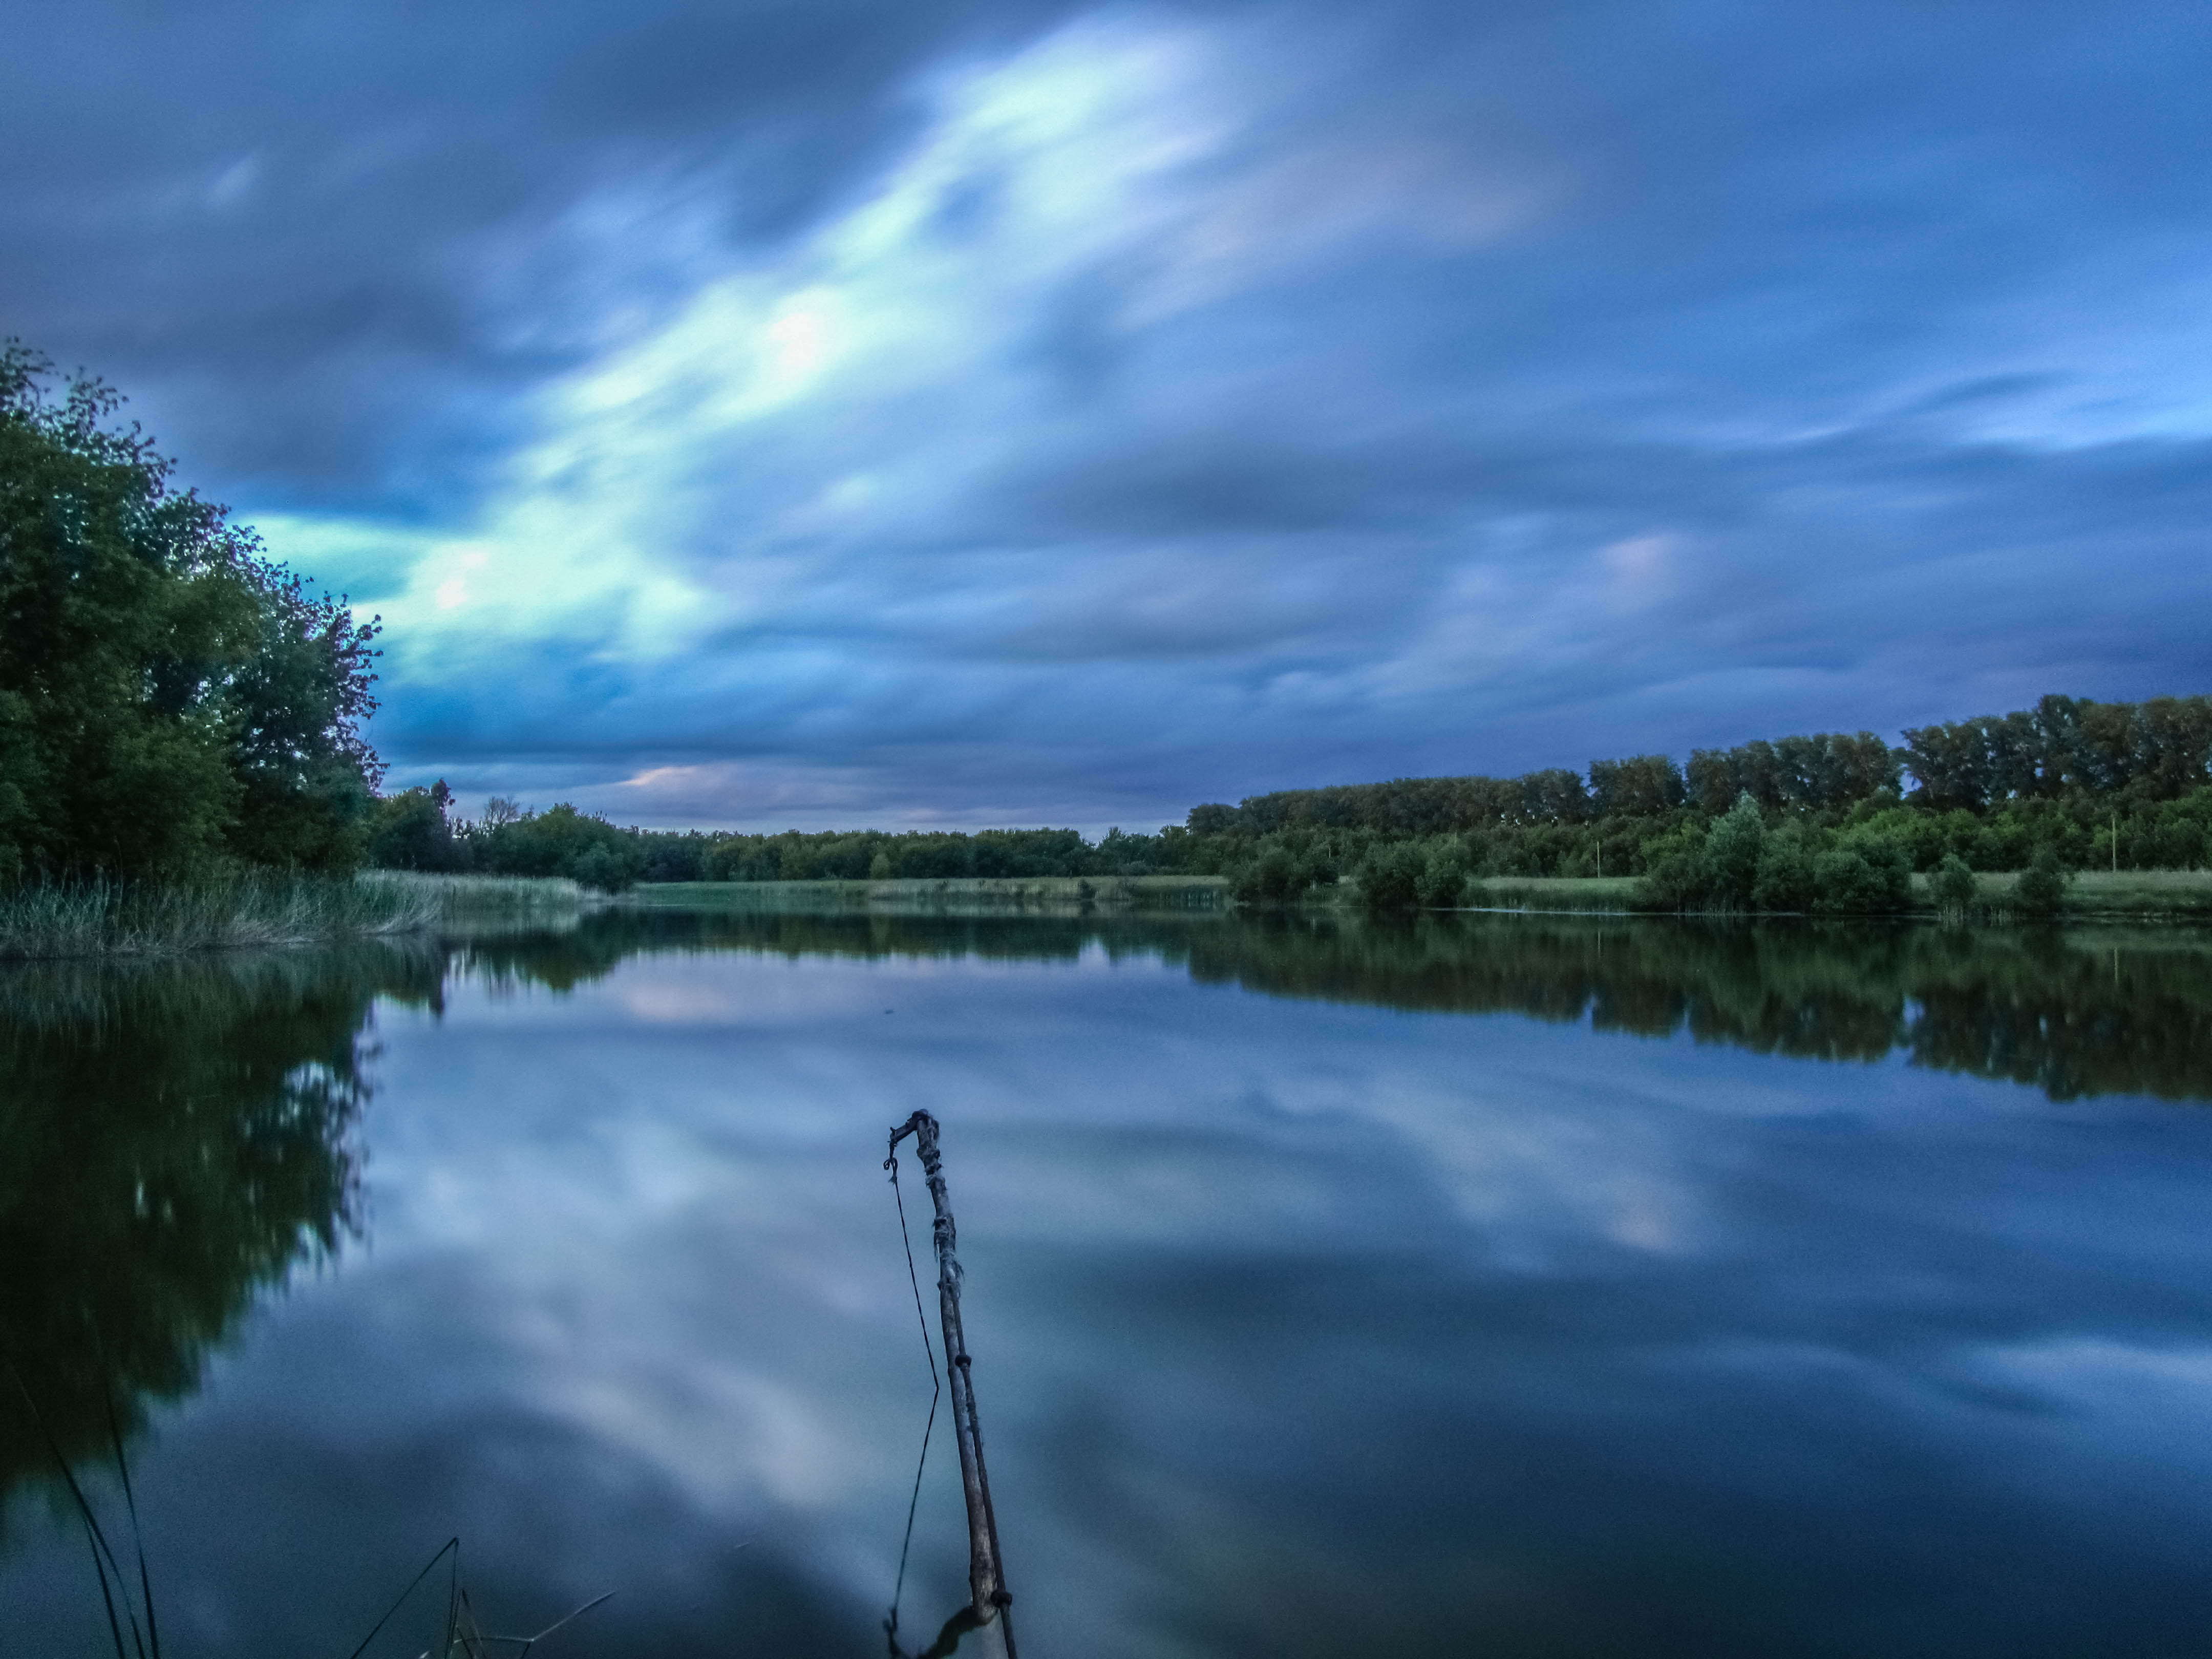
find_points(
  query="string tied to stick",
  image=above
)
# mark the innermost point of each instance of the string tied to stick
(936, 1389)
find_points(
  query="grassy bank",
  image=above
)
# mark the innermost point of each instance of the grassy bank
(2150, 895)
(2144, 894)
(2170, 895)
(1608, 893)
(972, 895)
(259, 909)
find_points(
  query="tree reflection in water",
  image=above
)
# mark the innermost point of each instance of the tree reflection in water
(176, 1138)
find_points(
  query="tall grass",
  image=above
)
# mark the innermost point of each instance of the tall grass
(486, 898)
(254, 909)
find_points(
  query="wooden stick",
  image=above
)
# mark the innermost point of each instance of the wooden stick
(986, 1582)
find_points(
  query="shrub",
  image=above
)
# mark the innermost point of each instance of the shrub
(2042, 886)
(1389, 877)
(1442, 881)
(1954, 887)
(1673, 871)
(1784, 880)
(1867, 876)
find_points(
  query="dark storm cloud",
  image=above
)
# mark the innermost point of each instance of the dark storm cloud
(1020, 412)
(275, 222)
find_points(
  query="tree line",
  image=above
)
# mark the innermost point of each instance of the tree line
(1818, 822)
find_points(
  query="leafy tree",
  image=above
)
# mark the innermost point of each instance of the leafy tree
(1643, 786)
(170, 699)
(411, 830)
(1730, 857)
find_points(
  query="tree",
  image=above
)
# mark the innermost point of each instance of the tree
(2042, 886)
(170, 699)
(1954, 888)
(411, 830)
(1731, 855)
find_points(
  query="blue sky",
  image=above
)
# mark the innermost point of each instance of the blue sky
(823, 415)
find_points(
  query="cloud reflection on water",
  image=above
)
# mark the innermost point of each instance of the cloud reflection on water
(1303, 1326)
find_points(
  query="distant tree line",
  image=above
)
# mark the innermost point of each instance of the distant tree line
(171, 702)
(1820, 824)
(417, 830)
(1825, 822)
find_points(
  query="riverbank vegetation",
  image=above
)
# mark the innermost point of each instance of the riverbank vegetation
(172, 702)
(249, 909)
(181, 760)
(1988, 816)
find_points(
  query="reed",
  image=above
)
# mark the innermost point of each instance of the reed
(256, 909)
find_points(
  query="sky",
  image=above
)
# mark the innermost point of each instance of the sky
(828, 414)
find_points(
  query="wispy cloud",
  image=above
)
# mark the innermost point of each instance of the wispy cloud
(1088, 412)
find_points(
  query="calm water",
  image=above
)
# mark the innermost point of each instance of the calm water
(1513, 1287)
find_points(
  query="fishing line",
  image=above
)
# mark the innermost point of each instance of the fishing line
(936, 1387)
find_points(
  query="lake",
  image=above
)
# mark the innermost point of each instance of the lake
(1520, 1285)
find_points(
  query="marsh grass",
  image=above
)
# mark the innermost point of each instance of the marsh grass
(1612, 894)
(258, 910)
(486, 898)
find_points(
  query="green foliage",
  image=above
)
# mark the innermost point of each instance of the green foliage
(1673, 870)
(1954, 889)
(1784, 880)
(1390, 876)
(1729, 860)
(1643, 787)
(1742, 863)
(1867, 876)
(2041, 888)
(1441, 884)
(171, 702)
(1824, 773)
(411, 830)
(2155, 750)
(563, 842)
(1798, 824)
(919, 855)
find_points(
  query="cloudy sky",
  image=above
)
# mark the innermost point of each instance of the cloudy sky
(826, 413)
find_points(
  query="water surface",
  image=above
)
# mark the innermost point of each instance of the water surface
(1547, 1287)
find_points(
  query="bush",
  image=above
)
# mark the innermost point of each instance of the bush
(1443, 880)
(2042, 886)
(1867, 876)
(1673, 871)
(1784, 880)
(1954, 887)
(1389, 877)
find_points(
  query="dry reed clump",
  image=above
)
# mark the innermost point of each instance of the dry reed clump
(254, 909)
